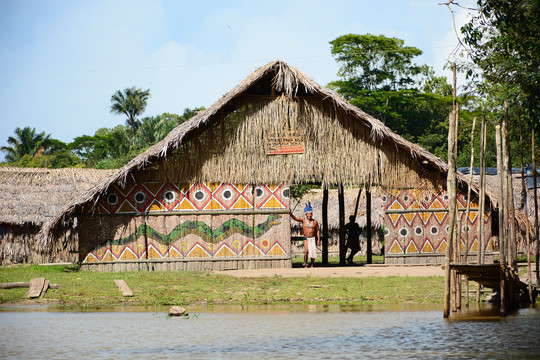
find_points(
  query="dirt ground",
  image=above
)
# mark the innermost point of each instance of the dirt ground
(346, 271)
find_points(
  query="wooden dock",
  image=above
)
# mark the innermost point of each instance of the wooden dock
(497, 277)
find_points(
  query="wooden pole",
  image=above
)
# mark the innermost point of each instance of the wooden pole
(467, 212)
(325, 225)
(509, 196)
(341, 200)
(451, 189)
(482, 195)
(369, 258)
(535, 194)
(523, 205)
(357, 203)
(502, 250)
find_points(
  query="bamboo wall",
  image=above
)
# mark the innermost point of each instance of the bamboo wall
(169, 225)
(416, 226)
(18, 246)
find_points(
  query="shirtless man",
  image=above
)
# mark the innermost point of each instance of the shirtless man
(311, 231)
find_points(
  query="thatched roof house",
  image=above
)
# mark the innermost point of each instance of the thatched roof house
(29, 197)
(238, 140)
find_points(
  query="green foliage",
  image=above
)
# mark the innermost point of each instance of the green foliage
(299, 190)
(379, 76)
(25, 142)
(132, 103)
(503, 41)
(376, 62)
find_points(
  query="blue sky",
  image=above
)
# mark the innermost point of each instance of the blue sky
(62, 60)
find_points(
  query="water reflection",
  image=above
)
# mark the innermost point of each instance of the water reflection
(283, 332)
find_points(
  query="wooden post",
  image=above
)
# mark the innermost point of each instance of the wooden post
(523, 205)
(341, 200)
(467, 212)
(325, 225)
(482, 195)
(369, 258)
(509, 198)
(535, 194)
(357, 203)
(451, 189)
(502, 251)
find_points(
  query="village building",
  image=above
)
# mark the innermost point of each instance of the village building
(29, 198)
(214, 194)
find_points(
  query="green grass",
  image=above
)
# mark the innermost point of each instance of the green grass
(82, 288)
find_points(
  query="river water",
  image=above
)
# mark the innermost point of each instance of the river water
(274, 332)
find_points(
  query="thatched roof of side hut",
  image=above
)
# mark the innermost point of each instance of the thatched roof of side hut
(343, 143)
(32, 196)
(350, 196)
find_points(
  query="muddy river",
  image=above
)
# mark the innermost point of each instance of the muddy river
(273, 332)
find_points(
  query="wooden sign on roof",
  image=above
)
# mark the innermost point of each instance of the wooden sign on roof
(287, 142)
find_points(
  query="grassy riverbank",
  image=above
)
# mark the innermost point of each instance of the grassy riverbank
(81, 288)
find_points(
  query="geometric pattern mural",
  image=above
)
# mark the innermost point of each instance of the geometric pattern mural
(416, 222)
(159, 197)
(191, 234)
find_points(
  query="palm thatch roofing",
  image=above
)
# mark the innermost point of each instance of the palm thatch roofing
(32, 196)
(343, 143)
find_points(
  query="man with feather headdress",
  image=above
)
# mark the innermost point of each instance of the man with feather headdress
(311, 231)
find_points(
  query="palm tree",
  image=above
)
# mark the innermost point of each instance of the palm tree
(132, 103)
(26, 142)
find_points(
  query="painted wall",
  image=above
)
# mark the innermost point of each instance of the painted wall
(416, 224)
(152, 221)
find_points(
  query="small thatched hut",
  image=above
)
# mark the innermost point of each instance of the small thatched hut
(214, 193)
(28, 197)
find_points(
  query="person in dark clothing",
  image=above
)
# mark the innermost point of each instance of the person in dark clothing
(353, 238)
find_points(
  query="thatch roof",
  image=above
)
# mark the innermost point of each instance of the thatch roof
(32, 196)
(368, 151)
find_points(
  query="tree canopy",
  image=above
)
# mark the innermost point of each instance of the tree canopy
(132, 103)
(378, 74)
